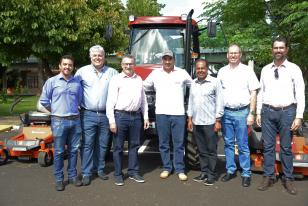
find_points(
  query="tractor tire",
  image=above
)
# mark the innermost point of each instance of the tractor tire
(4, 156)
(45, 159)
(191, 153)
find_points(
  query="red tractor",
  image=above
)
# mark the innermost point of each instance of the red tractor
(149, 37)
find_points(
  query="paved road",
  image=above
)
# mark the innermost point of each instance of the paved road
(26, 183)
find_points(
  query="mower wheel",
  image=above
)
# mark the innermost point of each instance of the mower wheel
(45, 159)
(4, 156)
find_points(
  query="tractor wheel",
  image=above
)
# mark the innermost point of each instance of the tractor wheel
(45, 158)
(4, 156)
(191, 153)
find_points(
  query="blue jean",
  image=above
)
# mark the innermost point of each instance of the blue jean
(174, 126)
(95, 138)
(128, 125)
(234, 127)
(274, 122)
(65, 132)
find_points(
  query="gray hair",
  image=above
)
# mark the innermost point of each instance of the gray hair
(96, 48)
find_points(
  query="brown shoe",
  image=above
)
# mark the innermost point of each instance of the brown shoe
(288, 184)
(266, 183)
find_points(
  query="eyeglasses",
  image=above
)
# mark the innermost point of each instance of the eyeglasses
(276, 74)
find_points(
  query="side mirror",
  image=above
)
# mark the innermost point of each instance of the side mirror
(108, 32)
(211, 29)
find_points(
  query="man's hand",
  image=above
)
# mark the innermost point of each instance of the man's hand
(113, 128)
(258, 120)
(250, 119)
(217, 126)
(189, 124)
(296, 124)
(146, 124)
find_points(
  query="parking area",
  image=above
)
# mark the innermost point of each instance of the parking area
(26, 183)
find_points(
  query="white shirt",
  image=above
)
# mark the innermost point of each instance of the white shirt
(170, 89)
(205, 101)
(126, 93)
(289, 88)
(237, 83)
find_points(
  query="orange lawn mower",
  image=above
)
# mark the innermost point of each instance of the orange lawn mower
(4, 154)
(35, 141)
(299, 149)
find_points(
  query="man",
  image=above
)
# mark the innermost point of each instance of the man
(205, 108)
(169, 83)
(62, 96)
(95, 126)
(281, 104)
(239, 86)
(126, 105)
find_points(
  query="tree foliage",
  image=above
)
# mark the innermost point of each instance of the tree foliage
(144, 7)
(51, 28)
(254, 23)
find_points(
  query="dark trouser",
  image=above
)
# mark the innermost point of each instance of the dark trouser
(128, 125)
(206, 139)
(274, 121)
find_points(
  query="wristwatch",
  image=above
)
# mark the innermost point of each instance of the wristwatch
(253, 112)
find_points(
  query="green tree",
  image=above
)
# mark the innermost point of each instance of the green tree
(144, 7)
(254, 23)
(50, 28)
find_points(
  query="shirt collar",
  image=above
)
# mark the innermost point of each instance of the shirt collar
(60, 76)
(284, 64)
(207, 79)
(123, 75)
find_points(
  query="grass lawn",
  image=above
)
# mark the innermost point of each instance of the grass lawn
(28, 103)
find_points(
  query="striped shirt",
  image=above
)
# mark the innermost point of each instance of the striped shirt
(126, 93)
(287, 89)
(95, 86)
(205, 101)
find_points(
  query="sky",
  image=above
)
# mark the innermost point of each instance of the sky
(178, 7)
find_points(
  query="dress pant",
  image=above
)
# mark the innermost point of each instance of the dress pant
(206, 139)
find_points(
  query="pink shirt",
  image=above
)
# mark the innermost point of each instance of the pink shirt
(126, 93)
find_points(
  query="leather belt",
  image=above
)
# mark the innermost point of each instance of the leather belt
(96, 111)
(279, 108)
(127, 112)
(72, 117)
(236, 108)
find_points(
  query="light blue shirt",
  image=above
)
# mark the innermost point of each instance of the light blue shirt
(205, 101)
(95, 86)
(62, 96)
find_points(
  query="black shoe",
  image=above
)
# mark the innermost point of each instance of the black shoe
(137, 178)
(246, 181)
(266, 183)
(102, 176)
(228, 177)
(75, 182)
(119, 181)
(60, 186)
(86, 180)
(201, 178)
(288, 184)
(209, 182)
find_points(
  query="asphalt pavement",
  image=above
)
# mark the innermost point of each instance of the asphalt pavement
(28, 184)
